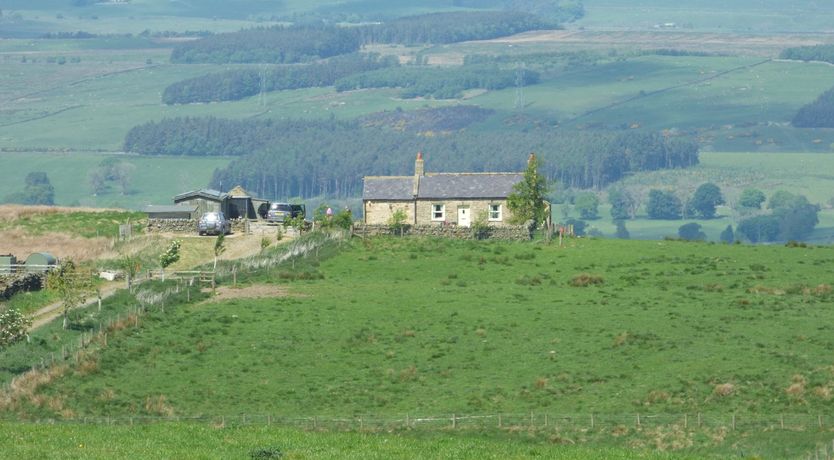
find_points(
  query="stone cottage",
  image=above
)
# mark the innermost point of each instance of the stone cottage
(439, 198)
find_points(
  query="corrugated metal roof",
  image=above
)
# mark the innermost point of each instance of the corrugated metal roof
(388, 188)
(203, 193)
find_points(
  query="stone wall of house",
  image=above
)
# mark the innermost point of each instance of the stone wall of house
(187, 225)
(477, 208)
(504, 232)
(380, 212)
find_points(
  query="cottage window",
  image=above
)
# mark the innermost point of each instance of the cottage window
(438, 212)
(495, 212)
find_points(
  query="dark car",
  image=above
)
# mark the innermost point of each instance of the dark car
(280, 212)
(214, 223)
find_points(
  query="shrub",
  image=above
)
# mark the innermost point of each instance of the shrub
(586, 279)
(13, 326)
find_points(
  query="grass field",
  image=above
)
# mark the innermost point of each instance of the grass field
(155, 180)
(799, 173)
(180, 440)
(441, 327)
(712, 15)
(84, 106)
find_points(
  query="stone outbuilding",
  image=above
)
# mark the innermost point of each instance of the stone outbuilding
(439, 198)
(205, 200)
(156, 211)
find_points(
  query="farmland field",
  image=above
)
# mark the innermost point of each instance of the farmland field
(155, 180)
(713, 15)
(436, 327)
(181, 440)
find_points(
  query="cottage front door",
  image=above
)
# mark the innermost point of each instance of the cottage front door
(464, 219)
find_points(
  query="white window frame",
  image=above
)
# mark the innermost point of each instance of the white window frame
(438, 208)
(497, 209)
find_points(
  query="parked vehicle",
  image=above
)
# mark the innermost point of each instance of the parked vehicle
(214, 223)
(280, 212)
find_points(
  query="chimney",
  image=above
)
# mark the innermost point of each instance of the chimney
(419, 169)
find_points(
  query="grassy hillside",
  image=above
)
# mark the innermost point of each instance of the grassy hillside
(438, 327)
(173, 440)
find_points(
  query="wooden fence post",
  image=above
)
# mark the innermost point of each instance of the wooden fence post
(638, 420)
(685, 421)
(592, 420)
(454, 421)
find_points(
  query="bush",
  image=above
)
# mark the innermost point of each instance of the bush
(586, 279)
(13, 327)
(691, 232)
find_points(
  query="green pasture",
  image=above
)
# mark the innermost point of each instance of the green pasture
(91, 105)
(81, 223)
(155, 180)
(710, 15)
(799, 173)
(388, 327)
(661, 92)
(184, 440)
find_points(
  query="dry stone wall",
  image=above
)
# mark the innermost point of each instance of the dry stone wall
(12, 284)
(186, 225)
(507, 232)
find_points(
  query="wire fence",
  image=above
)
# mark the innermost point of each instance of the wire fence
(507, 421)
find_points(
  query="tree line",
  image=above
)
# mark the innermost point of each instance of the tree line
(817, 114)
(237, 84)
(330, 157)
(824, 53)
(436, 82)
(304, 43)
(276, 45)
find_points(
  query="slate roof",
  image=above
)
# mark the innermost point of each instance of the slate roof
(468, 186)
(388, 188)
(207, 193)
(442, 186)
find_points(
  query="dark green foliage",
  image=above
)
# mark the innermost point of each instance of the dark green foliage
(706, 198)
(527, 200)
(752, 198)
(623, 205)
(279, 162)
(436, 82)
(303, 43)
(691, 232)
(817, 114)
(450, 118)
(622, 232)
(823, 53)
(759, 229)
(792, 218)
(663, 205)
(37, 190)
(587, 204)
(274, 45)
(727, 235)
(238, 84)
